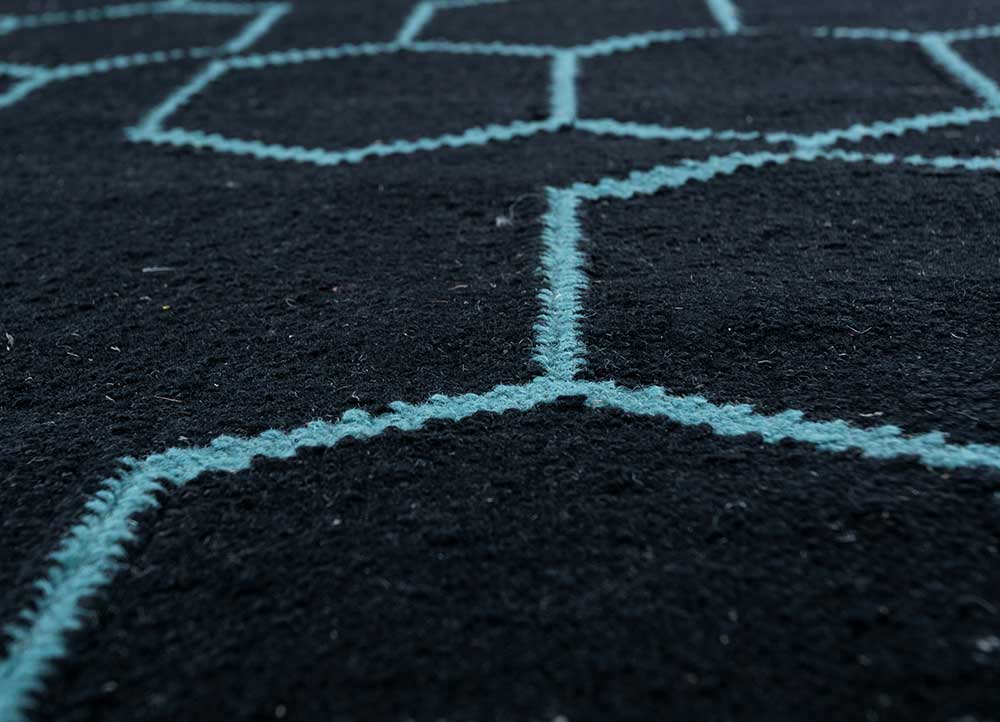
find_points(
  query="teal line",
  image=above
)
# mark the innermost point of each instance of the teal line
(91, 554)
(981, 32)
(89, 557)
(21, 70)
(882, 442)
(880, 129)
(456, 4)
(855, 133)
(959, 68)
(256, 28)
(19, 91)
(422, 14)
(463, 48)
(636, 41)
(268, 14)
(673, 176)
(564, 71)
(122, 62)
(725, 14)
(154, 119)
(892, 35)
(318, 156)
(131, 10)
(294, 56)
(558, 347)
(643, 131)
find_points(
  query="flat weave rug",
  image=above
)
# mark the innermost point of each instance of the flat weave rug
(500, 360)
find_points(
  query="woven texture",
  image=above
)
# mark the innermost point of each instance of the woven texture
(390, 360)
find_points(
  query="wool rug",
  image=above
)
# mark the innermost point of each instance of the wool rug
(385, 360)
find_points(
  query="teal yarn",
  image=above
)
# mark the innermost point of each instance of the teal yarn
(88, 558)
(726, 15)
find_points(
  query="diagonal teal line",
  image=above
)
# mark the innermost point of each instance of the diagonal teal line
(637, 41)
(154, 119)
(881, 442)
(725, 14)
(21, 89)
(422, 14)
(956, 117)
(946, 57)
(256, 27)
(91, 554)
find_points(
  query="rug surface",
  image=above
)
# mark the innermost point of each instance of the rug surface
(568, 361)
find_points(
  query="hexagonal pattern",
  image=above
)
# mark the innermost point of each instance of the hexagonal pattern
(89, 557)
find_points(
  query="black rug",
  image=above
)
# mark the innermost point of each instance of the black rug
(605, 360)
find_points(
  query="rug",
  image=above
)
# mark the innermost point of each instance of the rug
(389, 360)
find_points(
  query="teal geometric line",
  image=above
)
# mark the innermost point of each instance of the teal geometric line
(563, 102)
(423, 13)
(673, 176)
(900, 35)
(91, 554)
(419, 17)
(938, 45)
(956, 117)
(563, 99)
(492, 48)
(893, 35)
(155, 117)
(855, 133)
(37, 76)
(88, 557)
(980, 32)
(129, 10)
(942, 53)
(20, 90)
(640, 41)
(21, 70)
(725, 14)
(269, 151)
(646, 131)
(256, 28)
(457, 4)
(881, 442)
(123, 62)
(295, 56)
(558, 348)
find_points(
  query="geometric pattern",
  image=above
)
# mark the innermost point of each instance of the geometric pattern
(30, 77)
(87, 559)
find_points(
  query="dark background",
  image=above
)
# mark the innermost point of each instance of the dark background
(561, 562)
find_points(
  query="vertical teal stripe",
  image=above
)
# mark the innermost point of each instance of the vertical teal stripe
(558, 346)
